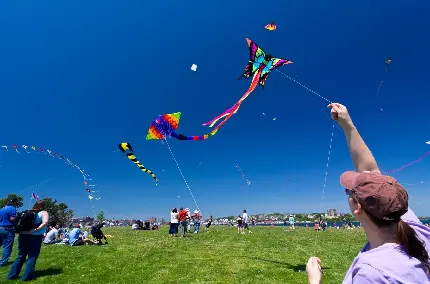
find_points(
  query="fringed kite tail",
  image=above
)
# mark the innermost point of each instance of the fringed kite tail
(228, 113)
(212, 122)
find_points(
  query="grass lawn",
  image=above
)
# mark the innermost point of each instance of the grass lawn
(268, 255)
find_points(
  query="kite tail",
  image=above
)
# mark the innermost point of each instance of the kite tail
(218, 117)
(183, 137)
(133, 158)
(235, 108)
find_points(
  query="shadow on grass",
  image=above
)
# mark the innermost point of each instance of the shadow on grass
(48, 272)
(296, 268)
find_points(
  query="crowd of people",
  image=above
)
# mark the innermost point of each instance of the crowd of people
(398, 243)
(180, 222)
(33, 229)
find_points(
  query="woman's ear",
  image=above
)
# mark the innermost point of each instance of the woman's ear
(358, 210)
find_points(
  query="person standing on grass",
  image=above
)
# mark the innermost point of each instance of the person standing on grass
(188, 219)
(292, 221)
(245, 221)
(182, 216)
(29, 244)
(174, 223)
(196, 219)
(398, 243)
(7, 231)
(239, 221)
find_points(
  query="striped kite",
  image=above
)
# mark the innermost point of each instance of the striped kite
(128, 150)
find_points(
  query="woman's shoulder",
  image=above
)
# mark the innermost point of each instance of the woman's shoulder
(391, 261)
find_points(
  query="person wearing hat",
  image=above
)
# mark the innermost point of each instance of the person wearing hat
(196, 220)
(7, 231)
(292, 221)
(398, 243)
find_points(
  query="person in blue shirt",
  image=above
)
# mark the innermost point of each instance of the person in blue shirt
(29, 244)
(7, 231)
(76, 238)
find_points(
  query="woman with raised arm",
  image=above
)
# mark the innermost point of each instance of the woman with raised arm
(398, 243)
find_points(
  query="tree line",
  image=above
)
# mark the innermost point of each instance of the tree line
(59, 213)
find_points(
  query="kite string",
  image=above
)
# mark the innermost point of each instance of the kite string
(326, 171)
(303, 86)
(405, 166)
(313, 92)
(183, 177)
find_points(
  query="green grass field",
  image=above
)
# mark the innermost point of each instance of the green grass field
(268, 255)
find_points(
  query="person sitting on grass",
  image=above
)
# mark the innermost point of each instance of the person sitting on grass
(209, 224)
(96, 232)
(52, 237)
(398, 243)
(76, 238)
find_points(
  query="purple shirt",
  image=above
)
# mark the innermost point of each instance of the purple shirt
(389, 263)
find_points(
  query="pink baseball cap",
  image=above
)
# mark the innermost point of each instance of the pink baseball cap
(382, 196)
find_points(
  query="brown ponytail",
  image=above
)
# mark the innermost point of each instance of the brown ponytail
(412, 244)
(407, 238)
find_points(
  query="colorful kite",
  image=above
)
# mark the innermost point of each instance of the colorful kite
(271, 26)
(165, 125)
(41, 150)
(260, 64)
(243, 174)
(128, 150)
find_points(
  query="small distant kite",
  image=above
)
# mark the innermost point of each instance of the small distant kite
(128, 150)
(165, 125)
(428, 142)
(271, 26)
(387, 63)
(194, 67)
(274, 118)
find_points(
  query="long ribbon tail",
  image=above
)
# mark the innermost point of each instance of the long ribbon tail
(235, 108)
(218, 117)
(183, 137)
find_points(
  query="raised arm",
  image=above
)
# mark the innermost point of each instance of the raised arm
(361, 156)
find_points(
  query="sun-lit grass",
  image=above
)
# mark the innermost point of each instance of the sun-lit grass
(268, 255)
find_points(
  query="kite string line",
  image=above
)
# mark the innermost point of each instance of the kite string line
(326, 171)
(303, 86)
(183, 177)
(313, 92)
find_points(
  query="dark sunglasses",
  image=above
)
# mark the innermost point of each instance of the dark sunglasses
(348, 192)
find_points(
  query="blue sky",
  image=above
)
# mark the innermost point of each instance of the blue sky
(79, 78)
